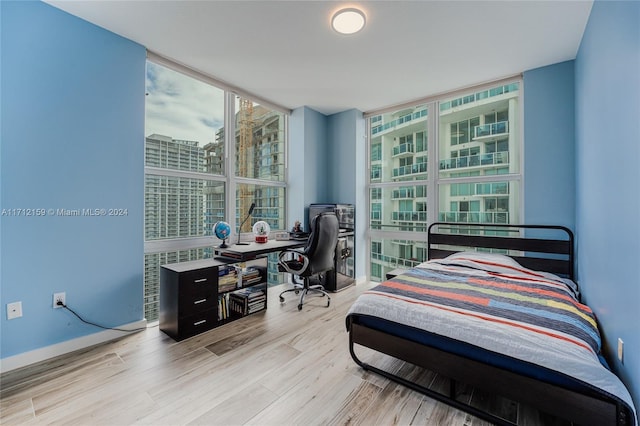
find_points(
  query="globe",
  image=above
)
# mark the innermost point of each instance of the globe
(222, 230)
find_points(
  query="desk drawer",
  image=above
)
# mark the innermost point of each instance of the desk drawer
(197, 303)
(198, 282)
(194, 324)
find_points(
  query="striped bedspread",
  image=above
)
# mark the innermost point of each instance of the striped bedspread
(492, 302)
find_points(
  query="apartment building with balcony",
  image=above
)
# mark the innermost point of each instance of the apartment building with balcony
(475, 178)
(480, 137)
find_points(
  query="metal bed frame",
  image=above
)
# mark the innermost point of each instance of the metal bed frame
(586, 406)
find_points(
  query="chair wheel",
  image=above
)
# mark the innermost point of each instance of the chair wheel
(328, 302)
(281, 299)
(300, 307)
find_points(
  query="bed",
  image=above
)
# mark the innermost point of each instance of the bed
(495, 307)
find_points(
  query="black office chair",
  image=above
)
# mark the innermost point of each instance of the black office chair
(316, 257)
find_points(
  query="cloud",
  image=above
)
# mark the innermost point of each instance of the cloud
(182, 107)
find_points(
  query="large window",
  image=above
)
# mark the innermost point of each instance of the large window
(399, 146)
(440, 161)
(193, 128)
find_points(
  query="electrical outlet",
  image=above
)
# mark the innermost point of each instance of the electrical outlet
(59, 297)
(14, 310)
(620, 350)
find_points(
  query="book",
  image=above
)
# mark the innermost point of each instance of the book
(248, 300)
(223, 307)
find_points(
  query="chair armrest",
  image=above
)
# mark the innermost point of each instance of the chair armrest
(287, 264)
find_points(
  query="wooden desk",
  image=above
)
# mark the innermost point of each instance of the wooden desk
(252, 250)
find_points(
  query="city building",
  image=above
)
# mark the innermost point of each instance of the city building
(477, 166)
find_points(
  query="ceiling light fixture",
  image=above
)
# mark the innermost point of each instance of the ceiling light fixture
(348, 21)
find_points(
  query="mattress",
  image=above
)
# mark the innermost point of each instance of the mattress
(491, 309)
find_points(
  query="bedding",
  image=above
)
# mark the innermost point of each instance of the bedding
(491, 302)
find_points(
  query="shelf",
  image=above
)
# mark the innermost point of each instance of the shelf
(202, 295)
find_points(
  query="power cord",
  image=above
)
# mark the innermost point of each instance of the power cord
(59, 303)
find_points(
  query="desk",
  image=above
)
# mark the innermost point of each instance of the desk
(252, 250)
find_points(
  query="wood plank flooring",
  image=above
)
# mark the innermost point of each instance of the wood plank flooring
(278, 367)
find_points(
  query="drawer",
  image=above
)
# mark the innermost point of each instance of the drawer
(197, 303)
(198, 282)
(194, 324)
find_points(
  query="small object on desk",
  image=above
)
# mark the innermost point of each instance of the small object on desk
(297, 227)
(253, 206)
(299, 236)
(261, 230)
(222, 230)
(281, 236)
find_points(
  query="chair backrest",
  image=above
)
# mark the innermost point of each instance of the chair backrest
(321, 245)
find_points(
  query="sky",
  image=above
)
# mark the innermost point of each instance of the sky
(182, 107)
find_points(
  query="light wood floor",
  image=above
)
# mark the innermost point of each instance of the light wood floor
(278, 367)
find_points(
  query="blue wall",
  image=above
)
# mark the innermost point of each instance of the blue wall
(608, 178)
(309, 159)
(72, 138)
(342, 147)
(549, 145)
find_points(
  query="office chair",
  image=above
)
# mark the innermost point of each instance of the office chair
(316, 257)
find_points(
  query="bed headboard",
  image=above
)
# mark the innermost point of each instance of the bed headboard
(539, 247)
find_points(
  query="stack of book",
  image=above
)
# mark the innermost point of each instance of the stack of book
(248, 300)
(250, 276)
(227, 279)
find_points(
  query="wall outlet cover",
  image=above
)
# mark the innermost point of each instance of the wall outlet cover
(14, 310)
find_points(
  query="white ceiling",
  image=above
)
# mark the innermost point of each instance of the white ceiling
(286, 53)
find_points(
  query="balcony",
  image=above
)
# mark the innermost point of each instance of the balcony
(493, 188)
(401, 120)
(394, 262)
(474, 217)
(409, 216)
(412, 169)
(403, 194)
(403, 150)
(490, 159)
(490, 130)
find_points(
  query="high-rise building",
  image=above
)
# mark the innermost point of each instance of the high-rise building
(186, 207)
(174, 208)
(260, 148)
(214, 191)
(477, 146)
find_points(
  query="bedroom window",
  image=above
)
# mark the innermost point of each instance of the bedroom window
(259, 162)
(191, 180)
(398, 187)
(453, 158)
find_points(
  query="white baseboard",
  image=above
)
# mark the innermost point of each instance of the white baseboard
(48, 352)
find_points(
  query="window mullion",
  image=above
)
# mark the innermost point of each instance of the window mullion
(230, 154)
(432, 168)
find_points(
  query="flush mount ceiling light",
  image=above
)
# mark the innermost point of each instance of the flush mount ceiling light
(348, 21)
